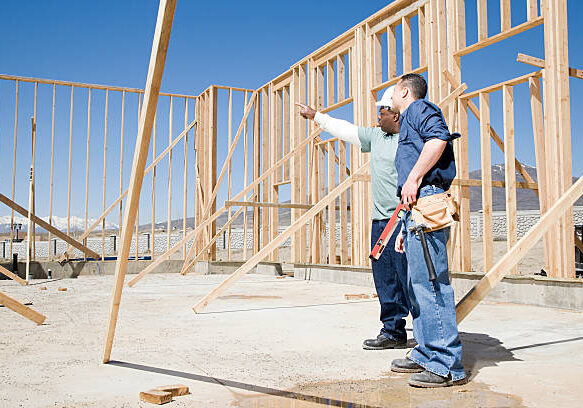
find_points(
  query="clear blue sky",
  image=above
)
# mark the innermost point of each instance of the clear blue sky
(230, 43)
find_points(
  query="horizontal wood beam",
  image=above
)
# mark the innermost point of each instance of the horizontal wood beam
(495, 183)
(540, 63)
(43, 224)
(264, 204)
(499, 37)
(21, 309)
(393, 81)
(497, 87)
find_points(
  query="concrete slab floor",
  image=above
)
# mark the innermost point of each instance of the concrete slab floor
(267, 342)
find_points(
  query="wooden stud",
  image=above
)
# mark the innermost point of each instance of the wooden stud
(538, 62)
(286, 123)
(33, 206)
(230, 131)
(70, 159)
(155, 72)
(121, 148)
(509, 168)
(258, 204)
(137, 247)
(153, 220)
(463, 158)
(392, 52)
(265, 148)
(250, 264)
(52, 170)
(87, 162)
(14, 164)
(256, 171)
(482, 19)
(531, 9)
(406, 37)
(104, 172)
(332, 206)
(486, 158)
(169, 197)
(245, 177)
(505, 13)
(21, 309)
(421, 35)
(185, 176)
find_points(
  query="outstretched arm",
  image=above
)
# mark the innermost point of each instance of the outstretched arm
(339, 128)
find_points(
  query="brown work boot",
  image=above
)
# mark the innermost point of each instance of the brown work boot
(383, 342)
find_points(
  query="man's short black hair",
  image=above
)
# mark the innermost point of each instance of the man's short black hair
(416, 83)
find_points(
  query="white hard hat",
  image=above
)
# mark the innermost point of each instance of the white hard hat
(387, 99)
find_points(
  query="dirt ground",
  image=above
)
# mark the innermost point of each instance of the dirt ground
(267, 342)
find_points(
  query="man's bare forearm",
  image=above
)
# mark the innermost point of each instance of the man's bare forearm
(432, 151)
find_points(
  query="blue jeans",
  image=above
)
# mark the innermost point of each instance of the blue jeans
(390, 279)
(432, 304)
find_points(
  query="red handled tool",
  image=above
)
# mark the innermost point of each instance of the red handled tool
(377, 250)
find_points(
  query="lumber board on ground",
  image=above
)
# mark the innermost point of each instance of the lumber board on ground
(21, 309)
(157, 397)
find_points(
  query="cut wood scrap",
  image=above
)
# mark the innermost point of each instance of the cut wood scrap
(354, 296)
(267, 249)
(21, 309)
(62, 289)
(374, 296)
(43, 288)
(176, 390)
(42, 223)
(518, 251)
(156, 397)
(13, 276)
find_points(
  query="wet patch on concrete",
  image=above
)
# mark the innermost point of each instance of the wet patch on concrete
(391, 391)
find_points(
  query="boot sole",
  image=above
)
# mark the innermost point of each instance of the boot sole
(448, 383)
(398, 346)
(407, 370)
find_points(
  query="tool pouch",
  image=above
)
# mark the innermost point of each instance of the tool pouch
(436, 211)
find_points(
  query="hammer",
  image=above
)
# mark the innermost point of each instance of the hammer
(418, 229)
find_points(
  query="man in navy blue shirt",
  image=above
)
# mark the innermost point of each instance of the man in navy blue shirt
(425, 166)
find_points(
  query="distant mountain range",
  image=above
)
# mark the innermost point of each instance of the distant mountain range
(525, 200)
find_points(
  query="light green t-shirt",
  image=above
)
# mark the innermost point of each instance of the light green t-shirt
(382, 147)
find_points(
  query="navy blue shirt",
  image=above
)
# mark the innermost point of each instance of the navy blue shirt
(423, 121)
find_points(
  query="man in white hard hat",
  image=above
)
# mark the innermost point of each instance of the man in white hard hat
(390, 270)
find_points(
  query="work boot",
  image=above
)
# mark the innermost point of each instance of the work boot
(382, 342)
(404, 365)
(427, 379)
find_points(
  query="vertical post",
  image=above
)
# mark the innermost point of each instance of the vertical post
(332, 206)
(265, 216)
(137, 252)
(509, 168)
(169, 209)
(121, 147)
(285, 131)
(245, 160)
(505, 21)
(256, 171)
(536, 108)
(153, 228)
(482, 19)
(275, 137)
(52, 167)
(87, 164)
(185, 177)
(406, 34)
(421, 31)
(14, 163)
(70, 159)
(104, 172)
(531, 9)
(392, 51)
(33, 172)
(230, 140)
(463, 159)
(157, 60)
(486, 157)
(301, 157)
(212, 160)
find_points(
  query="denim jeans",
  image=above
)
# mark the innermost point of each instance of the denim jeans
(390, 278)
(432, 304)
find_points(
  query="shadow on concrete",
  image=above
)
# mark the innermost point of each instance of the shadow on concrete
(481, 350)
(548, 343)
(241, 385)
